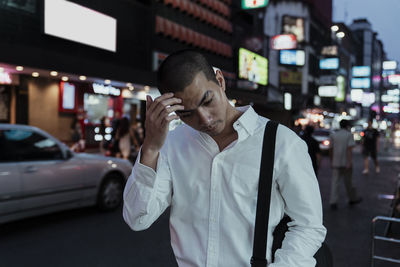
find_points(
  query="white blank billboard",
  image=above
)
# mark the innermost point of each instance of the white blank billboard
(74, 22)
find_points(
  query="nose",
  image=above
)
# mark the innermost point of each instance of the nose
(204, 116)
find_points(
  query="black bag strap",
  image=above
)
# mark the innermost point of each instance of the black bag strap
(264, 196)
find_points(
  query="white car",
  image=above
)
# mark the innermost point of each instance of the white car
(322, 137)
(39, 174)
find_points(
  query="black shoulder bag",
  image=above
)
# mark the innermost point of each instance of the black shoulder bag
(323, 255)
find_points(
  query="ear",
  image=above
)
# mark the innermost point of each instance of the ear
(220, 79)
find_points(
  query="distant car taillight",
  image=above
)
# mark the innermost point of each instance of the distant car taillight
(326, 143)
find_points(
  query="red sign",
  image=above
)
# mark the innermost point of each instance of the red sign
(284, 41)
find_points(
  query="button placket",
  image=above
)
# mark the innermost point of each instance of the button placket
(213, 238)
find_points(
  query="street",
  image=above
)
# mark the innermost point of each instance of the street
(86, 237)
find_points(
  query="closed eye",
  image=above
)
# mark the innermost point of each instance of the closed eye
(208, 102)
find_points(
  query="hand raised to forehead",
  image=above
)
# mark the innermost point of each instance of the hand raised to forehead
(158, 117)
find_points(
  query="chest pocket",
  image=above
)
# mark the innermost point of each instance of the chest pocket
(244, 188)
(245, 180)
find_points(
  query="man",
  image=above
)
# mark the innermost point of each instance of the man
(370, 147)
(342, 143)
(207, 170)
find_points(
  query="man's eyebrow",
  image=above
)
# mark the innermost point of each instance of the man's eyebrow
(201, 102)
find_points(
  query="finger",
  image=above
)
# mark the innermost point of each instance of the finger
(167, 111)
(166, 121)
(162, 106)
(148, 102)
(159, 99)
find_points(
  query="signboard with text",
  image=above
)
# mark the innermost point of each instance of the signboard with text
(283, 41)
(290, 77)
(293, 25)
(250, 4)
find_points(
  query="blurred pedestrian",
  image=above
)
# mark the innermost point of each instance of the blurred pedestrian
(102, 132)
(342, 143)
(313, 147)
(370, 144)
(123, 136)
(78, 143)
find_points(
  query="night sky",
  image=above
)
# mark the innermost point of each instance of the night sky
(384, 16)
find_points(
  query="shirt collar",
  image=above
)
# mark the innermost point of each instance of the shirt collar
(248, 120)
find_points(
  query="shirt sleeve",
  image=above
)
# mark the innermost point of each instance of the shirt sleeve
(300, 191)
(147, 193)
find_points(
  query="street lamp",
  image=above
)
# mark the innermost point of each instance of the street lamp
(340, 35)
(334, 28)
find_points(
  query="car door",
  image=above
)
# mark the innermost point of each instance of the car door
(10, 180)
(48, 178)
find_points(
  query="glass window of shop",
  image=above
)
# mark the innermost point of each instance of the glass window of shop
(97, 106)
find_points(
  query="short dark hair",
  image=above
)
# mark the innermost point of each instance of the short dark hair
(344, 123)
(178, 70)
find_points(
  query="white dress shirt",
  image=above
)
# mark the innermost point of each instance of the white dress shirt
(213, 196)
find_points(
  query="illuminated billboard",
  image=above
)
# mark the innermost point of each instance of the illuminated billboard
(67, 101)
(249, 4)
(331, 50)
(293, 25)
(292, 57)
(77, 23)
(361, 83)
(361, 71)
(283, 41)
(389, 65)
(328, 91)
(253, 67)
(329, 63)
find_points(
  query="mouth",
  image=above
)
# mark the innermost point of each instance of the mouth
(209, 128)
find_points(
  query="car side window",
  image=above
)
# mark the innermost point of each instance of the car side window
(25, 145)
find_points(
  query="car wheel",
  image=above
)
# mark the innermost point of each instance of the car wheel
(110, 194)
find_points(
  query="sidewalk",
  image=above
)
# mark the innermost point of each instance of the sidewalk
(349, 228)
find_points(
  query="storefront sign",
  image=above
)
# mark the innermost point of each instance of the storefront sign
(106, 90)
(392, 108)
(5, 78)
(341, 95)
(249, 4)
(356, 95)
(283, 41)
(329, 63)
(390, 98)
(290, 77)
(253, 67)
(362, 83)
(361, 71)
(293, 25)
(328, 91)
(394, 79)
(368, 99)
(389, 65)
(327, 79)
(329, 50)
(287, 101)
(292, 57)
